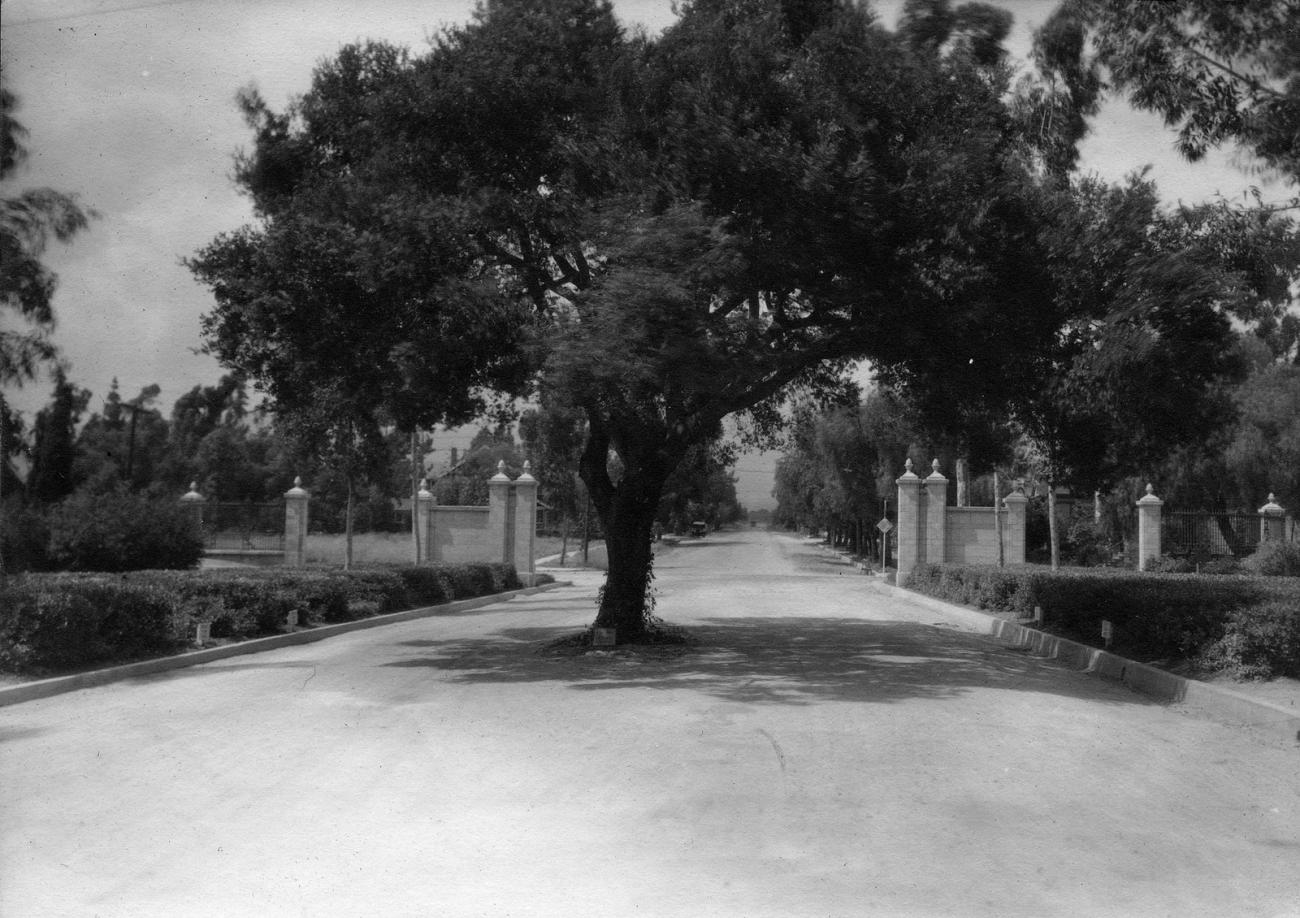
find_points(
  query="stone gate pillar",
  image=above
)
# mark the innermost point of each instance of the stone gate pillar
(911, 544)
(296, 502)
(500, 527)
(1013, 534)
(525, 524)
(1272, 521)
(935, 507)
(1149, 529)
(193, 501)
(424, 502)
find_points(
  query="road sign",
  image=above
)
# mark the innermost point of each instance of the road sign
(885, 525)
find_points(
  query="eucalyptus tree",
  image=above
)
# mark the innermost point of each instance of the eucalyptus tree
(1218, 72)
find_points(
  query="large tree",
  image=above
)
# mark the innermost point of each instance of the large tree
(28, 221)
(55, 435)
(686, 228)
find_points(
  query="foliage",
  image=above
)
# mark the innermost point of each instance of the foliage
(553, 438)
(53, 622)
(45, 624)
(1261, 642)
(53, 454)
(24, 536)
(679, 229)
(841, 462)
(27, 224)
(1156, 616)
(1087, 543)
(1219, 72)
(1275, 559)
(122, 532)
(700, 488)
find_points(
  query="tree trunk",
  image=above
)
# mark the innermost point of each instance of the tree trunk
(415, 495)
(963, 483)
(1053, 531)
(627, 515)
(347, 528)
(586, 531)
(997, 520)
(4, 463)
(564, 539)
(628, 539)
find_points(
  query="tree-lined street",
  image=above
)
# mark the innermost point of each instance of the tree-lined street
(819, 750)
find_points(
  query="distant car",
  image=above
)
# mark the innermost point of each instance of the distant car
(699, 528)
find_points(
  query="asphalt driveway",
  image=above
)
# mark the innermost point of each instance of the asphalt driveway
(819, 751)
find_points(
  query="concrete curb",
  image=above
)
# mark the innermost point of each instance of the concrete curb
(1218, 703)
(44, 688)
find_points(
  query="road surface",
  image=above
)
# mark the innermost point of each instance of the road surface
(820, 751)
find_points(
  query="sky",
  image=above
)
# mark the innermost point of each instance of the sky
(129, 104)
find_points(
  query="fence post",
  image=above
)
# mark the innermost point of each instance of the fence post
(1272, 521)
(194, 501)
(296, 502)
(1148, 528)
(1013, 550)
(910, 546)
(500, 517)
(424, 501)
(936, 515)
(525, 524)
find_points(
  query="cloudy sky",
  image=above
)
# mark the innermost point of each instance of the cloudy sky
(130, 105)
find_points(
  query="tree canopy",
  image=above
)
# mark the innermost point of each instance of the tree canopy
(1218, 72)
(669, 232)
(28, 222)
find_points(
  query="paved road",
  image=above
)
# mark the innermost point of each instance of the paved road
(822, 751)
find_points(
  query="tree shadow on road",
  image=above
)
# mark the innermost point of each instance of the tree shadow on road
(777, 660)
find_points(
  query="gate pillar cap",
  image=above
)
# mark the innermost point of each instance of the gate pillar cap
(297, 489)
(1150, 500)
(908, 476)
(1272, 508)
(193, 493)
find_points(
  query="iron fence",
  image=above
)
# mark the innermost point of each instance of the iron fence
(1203, 535)
(243, 526)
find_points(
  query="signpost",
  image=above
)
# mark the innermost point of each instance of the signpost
(885, 527)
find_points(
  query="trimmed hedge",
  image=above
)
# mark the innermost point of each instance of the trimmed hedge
(62, 621)
(1156, 616)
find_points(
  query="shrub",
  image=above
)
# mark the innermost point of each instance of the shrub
(425, 585)
(1155, 615)
(65, 622)
(74, 619)
(24, 538)
(1275, 559)
(1258, 643)
(122, 532)
(1220, 567)
(1172, 565)
(1086, 543)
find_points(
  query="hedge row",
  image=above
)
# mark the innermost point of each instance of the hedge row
(61, 621)
(1249, 626)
